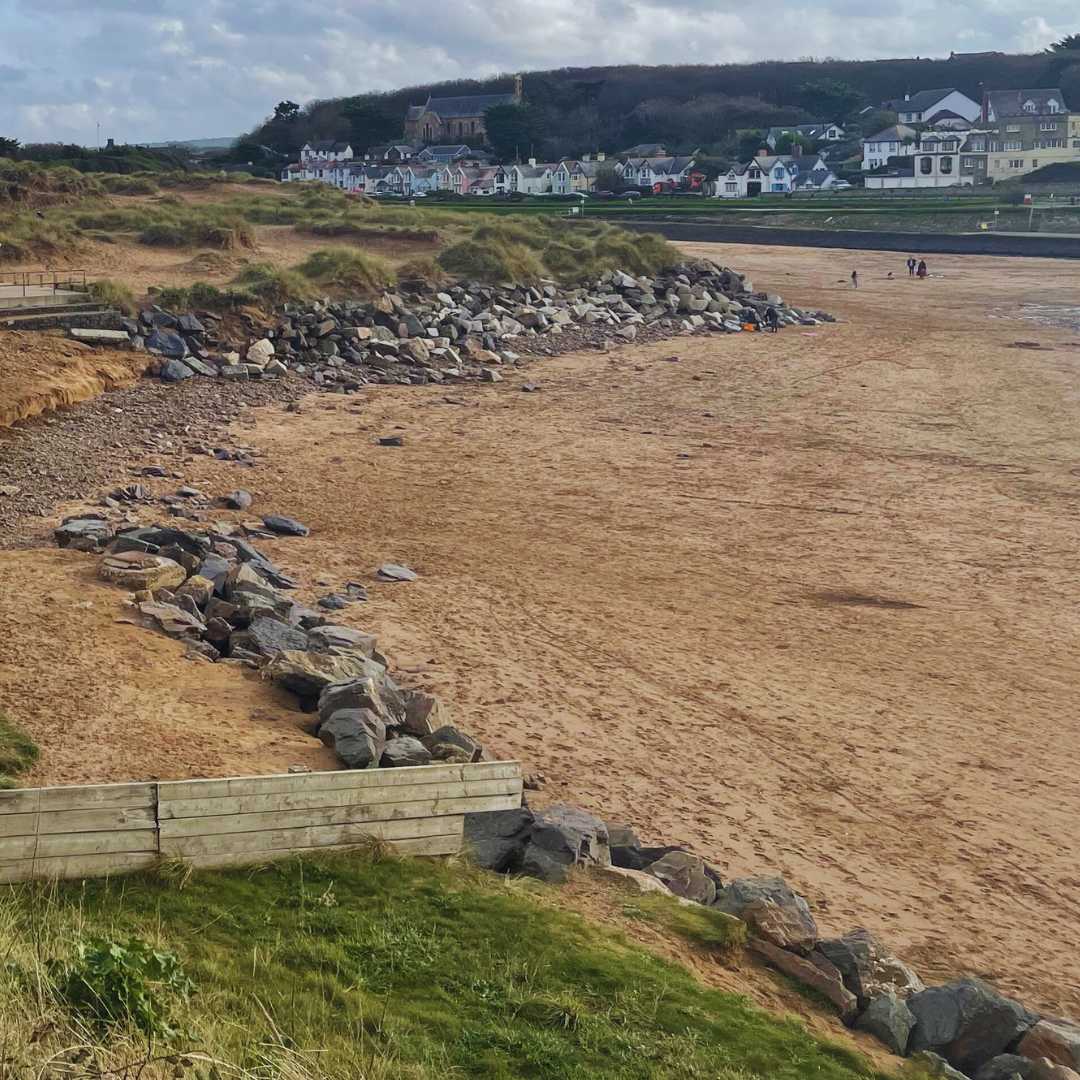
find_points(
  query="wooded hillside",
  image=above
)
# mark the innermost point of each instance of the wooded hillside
(576, 110)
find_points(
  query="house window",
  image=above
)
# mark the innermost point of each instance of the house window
(1012, 127)
(1029, 106)
(946, 165)
(778, 187)
(926, 166)
(1052, 106)
(1013, 144)
(1034, 162)
(967, 163)
(731, 185)
(1048, 125)
(1016, 163)
(978, 144)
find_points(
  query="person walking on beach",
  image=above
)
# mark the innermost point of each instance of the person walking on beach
(772, 319)
(854, 279)
(911, 268)
(921, 272)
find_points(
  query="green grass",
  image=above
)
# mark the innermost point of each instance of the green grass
(18, 751)
(702, 926)
(114, 294)
(347, 269)
(362, 967)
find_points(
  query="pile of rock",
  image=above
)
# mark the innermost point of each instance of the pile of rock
(464, 332)
(228, 602)
(963, 1029)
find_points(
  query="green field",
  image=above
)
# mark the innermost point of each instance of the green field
(367, 967)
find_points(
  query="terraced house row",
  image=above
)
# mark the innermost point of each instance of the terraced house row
(471, 173)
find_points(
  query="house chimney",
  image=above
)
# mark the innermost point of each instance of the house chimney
(532, 162)
(586, 157)
(601, 156)
(796, 149)
(907, 96)
(763, 152)
(519, 88)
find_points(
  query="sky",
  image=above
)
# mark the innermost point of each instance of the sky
(152, 70)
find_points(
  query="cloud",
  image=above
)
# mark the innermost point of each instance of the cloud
(149, 70)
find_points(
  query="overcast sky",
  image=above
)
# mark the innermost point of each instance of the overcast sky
(150, 70)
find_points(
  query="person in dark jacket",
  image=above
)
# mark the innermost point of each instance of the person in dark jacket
(772, 319)
(922, 271)
(911, 267)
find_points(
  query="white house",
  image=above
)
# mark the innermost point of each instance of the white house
(655, 171)
(531, 179)
(896, 141)
(776, 174)
(919, 108)
(325, 151)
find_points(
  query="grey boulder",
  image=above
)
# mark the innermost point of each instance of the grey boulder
(868, 968)
(772, 910)
(562, 837)
(496, 840)
(285, 526)
(685, 875)
(967, 1022)
(268, 637)
(395, 572)
(357, 736)
(889, 1020)
(1007, 1067)
(404, 751)
(450, 745)
(1055, 1039)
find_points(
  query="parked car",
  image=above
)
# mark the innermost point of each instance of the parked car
(842, 185)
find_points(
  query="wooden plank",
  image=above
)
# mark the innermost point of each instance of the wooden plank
(76, 866)
(314, 836)
(178, 790)
(449, 844)
(75, 821)
(314, 800)
(88, 797)
(18, 824)
(336, 815)
(92, 843)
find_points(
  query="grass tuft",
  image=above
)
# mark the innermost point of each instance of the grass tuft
(347, 270)
(18, 752)
(114, 294)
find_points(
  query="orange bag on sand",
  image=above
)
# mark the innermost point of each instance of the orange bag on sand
(749, 326)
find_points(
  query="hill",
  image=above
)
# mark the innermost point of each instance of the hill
(581, 109)
(369, 968)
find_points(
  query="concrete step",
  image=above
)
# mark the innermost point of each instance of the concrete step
(49, 309)
(99, 319)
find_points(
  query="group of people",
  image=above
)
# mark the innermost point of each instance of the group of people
(770, 321)
(914, 269)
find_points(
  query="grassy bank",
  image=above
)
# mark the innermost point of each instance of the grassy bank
(358, 966)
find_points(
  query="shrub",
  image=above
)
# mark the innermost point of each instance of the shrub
(494, 262)
(347, 268)
(113, 294)
(112, 982)
(272, 284)
(422, 271)
(129, 185)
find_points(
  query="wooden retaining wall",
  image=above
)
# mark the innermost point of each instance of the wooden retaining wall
(70, 832)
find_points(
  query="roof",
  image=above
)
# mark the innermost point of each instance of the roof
(1001, 103)
(646, 150)
(330, 145)
(767, 164)
(533, 171)
(923, 100)
(472, 105)
(896, 133)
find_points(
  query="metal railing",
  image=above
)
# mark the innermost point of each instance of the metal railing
(55, 280)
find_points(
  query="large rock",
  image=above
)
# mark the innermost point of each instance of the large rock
(967, 1022)
(198, 588)
(496, 840)
(260, 352)
(337, 639)
(1007, 1067)
(450, 745)
(889, 1020)
(173, 620)
(307, 674)
(423, 714)
(815, 972)
(83, 533)
(268, 637)
(285, 526)
(685, 875)
(935, 1065)
(1057, 1040)
(357, 736)
(405, 751)
(868, 968)
(772, 910)
(137, 570)
(361, 693)
(562, 837)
